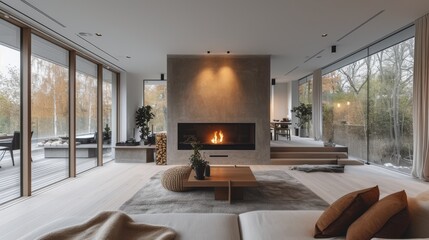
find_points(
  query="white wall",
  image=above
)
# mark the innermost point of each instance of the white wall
(281, 101)
(131, 98)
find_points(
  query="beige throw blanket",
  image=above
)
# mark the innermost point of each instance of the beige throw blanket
(112, 225)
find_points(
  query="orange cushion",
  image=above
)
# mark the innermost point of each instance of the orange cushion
(388, 218)
(343, 212)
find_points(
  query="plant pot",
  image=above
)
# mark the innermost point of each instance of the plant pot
(303, 132)
(199, 172)
(207, 172)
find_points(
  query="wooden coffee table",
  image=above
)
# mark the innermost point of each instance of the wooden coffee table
(228, 182)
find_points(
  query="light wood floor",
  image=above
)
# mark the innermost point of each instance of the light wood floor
(108, 187)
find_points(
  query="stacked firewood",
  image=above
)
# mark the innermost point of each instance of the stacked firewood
(161, 149)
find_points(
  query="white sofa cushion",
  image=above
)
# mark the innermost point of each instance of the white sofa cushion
(196, 225)
(293, 224)
(188, 226)
(419, 213)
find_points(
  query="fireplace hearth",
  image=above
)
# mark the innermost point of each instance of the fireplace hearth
(217, 136)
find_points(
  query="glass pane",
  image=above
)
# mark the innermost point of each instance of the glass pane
(344, 99)
(391, 110)
(155, 94)
(86, 114)
(49, 114)
(306, 91)
(109, 114)
(10, 112)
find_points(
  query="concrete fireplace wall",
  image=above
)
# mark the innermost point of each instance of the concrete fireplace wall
(219, 89)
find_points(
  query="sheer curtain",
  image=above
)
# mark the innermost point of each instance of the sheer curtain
(317, 104)
(421, 100)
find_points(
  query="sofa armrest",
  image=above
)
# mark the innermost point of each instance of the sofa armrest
(293, 224)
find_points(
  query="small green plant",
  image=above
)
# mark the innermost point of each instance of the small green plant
(196, 159)
(143, 116)
(107, 133)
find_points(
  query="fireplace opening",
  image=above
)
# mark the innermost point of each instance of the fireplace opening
(217, 136)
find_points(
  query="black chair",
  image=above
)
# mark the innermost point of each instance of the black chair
(10, 145)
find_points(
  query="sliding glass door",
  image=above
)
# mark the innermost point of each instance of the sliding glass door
(49, 113)
(10, 112)
(86, 114)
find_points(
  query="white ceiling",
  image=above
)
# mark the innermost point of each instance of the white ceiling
(288, 30)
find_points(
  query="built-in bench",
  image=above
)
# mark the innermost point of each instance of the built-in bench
(82, 150)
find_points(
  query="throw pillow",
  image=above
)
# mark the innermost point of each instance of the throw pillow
(388, 218)
(342, 213)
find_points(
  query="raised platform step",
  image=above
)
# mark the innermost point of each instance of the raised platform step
(309, 149)
(301, 161)
(333, 155)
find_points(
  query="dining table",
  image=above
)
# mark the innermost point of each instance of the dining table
(277, 126)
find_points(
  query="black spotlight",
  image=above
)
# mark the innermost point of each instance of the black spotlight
(333, 49)
(162, 76)
(273, 81)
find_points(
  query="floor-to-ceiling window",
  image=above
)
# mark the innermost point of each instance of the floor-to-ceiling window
(109, 114)
(49, 112)
(390, 106)
(367, 102)
(155, 95)
(344, 97)
(306, 90)
(10, 111)
(86, 114)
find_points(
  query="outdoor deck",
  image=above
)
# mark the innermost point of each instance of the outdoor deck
(45, 171)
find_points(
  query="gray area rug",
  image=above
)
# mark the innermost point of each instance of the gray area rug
(277, 191)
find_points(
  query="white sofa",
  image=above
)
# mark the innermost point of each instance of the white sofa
(257, 225)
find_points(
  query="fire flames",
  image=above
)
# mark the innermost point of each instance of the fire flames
(217, 137)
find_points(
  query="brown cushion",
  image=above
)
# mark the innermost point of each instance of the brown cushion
(343, 212)
(388, 218)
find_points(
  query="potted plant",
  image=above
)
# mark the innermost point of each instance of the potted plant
(304, 113)
(107, 134)
(143, 116)
(197, 162)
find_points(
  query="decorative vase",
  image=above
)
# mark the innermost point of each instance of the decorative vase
(199, 172)
(207, 173)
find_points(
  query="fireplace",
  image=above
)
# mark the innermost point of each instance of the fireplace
(217, 136)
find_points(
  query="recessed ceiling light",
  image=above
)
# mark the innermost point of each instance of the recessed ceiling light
(318, 56)
(324, 35)
(6, 15)
(98, 34)
(128, 57)
(85, 34)
(107, 67)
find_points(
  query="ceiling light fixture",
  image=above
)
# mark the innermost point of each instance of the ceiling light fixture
(6, 15)
(107, 67)
(324, 35)
(85, 34)
(98, 34)
(128, 57)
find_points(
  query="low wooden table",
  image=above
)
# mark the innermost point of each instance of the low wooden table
(228, 182)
